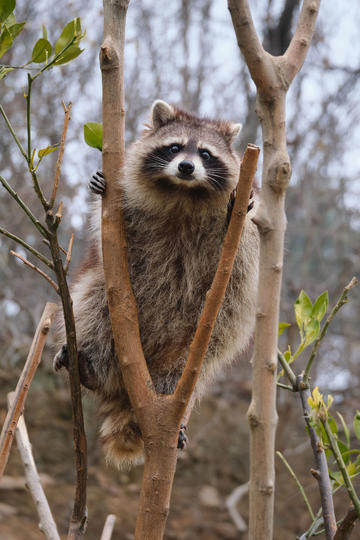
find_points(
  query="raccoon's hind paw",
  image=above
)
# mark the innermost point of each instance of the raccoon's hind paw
(87, 375)
(61, 359)
(182, 440)
(97, 183)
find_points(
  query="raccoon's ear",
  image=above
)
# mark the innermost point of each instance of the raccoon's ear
(161, 113)
(234, 130)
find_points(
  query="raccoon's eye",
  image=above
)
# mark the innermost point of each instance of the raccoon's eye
(205, 155)
(175, 148)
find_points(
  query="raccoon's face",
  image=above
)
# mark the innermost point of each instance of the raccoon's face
(185, 161)
(181, 155)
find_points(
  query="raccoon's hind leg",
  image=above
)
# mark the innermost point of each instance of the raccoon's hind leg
(87, 375)
(97, 183)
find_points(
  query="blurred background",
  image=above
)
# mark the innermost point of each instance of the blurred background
(186, 53)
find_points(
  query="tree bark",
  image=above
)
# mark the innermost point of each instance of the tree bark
(272, 76)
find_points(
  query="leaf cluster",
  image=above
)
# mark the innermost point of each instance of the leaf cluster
(65, 48)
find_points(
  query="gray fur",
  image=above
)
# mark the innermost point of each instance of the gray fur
(174, 242)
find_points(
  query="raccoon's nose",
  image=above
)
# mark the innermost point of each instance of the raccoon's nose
(186, 167)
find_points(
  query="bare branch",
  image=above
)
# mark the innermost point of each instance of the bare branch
(27, 246)
(299, 45)
(47, 524)
(67, 110)
(68, 253)
(40, 227)
(33, 267)
(216, 294)
(231, 503)
(108, 527)
(23, 385)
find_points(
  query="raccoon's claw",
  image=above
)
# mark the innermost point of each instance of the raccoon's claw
(61, 359)
(231, 204)
(97, 183)
(182, 440)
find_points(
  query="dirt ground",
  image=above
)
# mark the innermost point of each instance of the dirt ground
(215, 462)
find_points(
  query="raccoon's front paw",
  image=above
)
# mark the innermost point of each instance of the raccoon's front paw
(61, 359)
(97, 183)
(182, 440)
(231, 204)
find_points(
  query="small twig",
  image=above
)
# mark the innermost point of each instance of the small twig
(286, 387)
(58, 215)
(302, 491)
(28, 119)
(67, 110)
(33, 267)
(24, 382)
(11, 129)
(289, 372)
(38, 189)
(342, 300)
(68, 253)
(28, 247)
(47, 524)
(347, 524)
(108, 527)
(26, 209)
(340, 463)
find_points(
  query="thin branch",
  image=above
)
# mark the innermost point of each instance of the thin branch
(67, 110)
(216, 294)
(322, 471)
(33, 267)
(24, 382)
(301, 489)
(12, 131)
(108, 527)
(28, 247)
(38, 189)
(28, 118)
(286, 387)
(68, 253)
(26, 209)
(289, 372)
(342, 467)
(47, 524)
(342, 301)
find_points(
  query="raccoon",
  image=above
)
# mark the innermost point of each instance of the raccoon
(177, 186)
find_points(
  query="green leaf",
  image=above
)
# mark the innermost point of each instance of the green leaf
(287, 355)
(93, 134)
(5, 41)
(44, 33)
(16, 28)
(71, 30)
(332, 424)
(337, 477)
(4, 71)
(356, 424)
(10, 20)
(6, 7)
(345, 428)
(45, 151)
(72, 52)
(42, 51)
(303, 309)
(312, 330)
(320, 306)
(282, 326)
